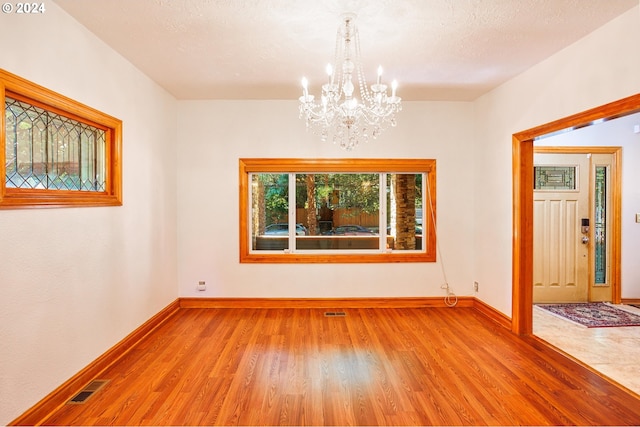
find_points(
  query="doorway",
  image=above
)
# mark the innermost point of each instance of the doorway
(523, 179)
(575, 249)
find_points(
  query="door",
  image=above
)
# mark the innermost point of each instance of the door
(574, 219)
(560, 230)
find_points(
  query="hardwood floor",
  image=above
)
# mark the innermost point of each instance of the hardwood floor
(382, 366)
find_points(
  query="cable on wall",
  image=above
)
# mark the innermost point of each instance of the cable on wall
(450, 298)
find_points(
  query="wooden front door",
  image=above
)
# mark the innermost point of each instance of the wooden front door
(560, 243)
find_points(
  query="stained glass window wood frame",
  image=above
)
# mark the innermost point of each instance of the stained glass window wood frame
(105, 191)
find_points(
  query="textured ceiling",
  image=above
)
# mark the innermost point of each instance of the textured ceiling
(260, 49)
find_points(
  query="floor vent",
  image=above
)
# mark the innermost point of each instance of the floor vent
(87, 392)
(334, 314)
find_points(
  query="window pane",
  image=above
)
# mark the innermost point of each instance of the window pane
(404, 211)
(269, 211)
(554, 178)
(25, 147)
(338, 211)
(600, 231)
(45, 150)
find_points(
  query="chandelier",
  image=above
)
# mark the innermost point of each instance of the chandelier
(340, 115)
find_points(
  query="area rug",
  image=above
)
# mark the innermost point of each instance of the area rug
(593, 315)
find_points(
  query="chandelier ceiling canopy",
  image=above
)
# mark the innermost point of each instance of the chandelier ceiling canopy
(342, 114)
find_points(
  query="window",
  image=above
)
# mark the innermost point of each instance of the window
(600, 226)
(342, 210)
(555, 178)
(55, 151)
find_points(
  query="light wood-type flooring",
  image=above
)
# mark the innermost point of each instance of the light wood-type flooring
(379, 366)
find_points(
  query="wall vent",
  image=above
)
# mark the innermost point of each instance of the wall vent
(334, 314)
(87, 392)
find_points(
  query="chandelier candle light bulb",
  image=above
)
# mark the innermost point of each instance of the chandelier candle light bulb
(344, 115)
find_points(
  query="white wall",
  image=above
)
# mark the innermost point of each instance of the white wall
(213, 135)
(598, 69)
(74, 282)
(618, 132)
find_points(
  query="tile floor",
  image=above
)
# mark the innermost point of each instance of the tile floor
(615, 352)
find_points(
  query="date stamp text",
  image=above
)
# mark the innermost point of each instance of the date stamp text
(23, 8)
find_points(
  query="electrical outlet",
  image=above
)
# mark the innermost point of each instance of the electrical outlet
(202, 285)
(475, 286)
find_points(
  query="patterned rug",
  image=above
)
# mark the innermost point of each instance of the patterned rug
(593, 315)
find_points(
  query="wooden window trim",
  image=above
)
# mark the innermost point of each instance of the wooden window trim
(247, 166)
(19, 198)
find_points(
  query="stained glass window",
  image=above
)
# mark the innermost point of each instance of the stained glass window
(54, 151)
(44, 150)
(600, 229)
(555, 178)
